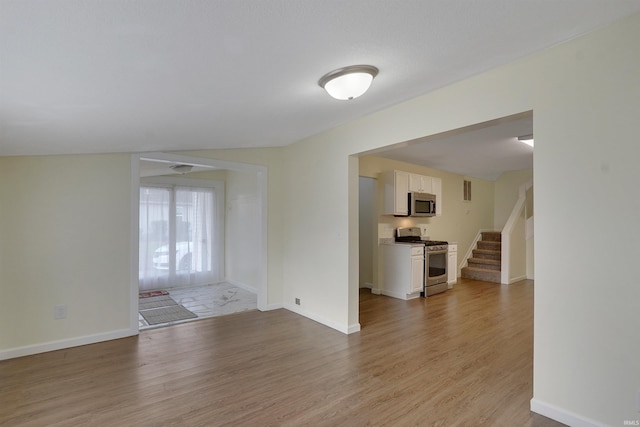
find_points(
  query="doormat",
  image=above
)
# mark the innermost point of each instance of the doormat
(169, 314)
(155, 302)
(152, 294)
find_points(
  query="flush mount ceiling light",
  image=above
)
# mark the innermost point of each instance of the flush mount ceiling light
(348, 82)
(182, 168)
(527, 139)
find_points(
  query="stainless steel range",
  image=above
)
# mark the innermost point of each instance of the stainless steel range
(435, 259)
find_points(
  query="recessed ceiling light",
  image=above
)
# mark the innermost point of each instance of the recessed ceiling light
(348, 82)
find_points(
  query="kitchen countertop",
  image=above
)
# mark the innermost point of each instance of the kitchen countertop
(392, 241)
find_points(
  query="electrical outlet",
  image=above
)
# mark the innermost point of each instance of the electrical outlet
(297, 301)
(60, 312)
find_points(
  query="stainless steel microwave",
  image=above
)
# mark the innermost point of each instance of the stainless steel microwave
(422, 204)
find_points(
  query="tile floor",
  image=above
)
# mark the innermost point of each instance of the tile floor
(208, 301)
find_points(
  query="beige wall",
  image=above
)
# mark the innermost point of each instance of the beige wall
(507, 188)
(66, 229)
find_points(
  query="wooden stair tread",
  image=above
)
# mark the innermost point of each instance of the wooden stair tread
(485, 262)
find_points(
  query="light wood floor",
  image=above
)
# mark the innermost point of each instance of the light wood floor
(462, 358)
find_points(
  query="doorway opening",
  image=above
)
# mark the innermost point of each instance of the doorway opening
(187, 267)
(490, 155)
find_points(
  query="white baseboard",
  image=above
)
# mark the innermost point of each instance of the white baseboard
(376, 291)
(273, 307)
(516, 279)
(353, 328)
(367, 286)
(562, 415)
(345, 329)
(67, 343)
(400, 295)
(242, 286)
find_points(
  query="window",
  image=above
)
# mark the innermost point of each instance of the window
(467, 191)
(177, 236)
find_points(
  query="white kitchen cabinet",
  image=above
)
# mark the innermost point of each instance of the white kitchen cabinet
(395, 186)
(452, 265)
(398, 184)
(417, 273)
(420, 183)
(402, 270)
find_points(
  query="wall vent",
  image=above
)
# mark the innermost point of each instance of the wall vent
(467, 191)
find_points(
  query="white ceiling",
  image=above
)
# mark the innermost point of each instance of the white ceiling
(90, 76)
(484, 151)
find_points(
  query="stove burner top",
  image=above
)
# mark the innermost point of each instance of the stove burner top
(416, 239)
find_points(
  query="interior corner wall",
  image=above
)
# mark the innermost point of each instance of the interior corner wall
(66, 225)
(585, 95)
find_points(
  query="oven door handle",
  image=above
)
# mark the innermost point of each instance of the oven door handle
(436, 252)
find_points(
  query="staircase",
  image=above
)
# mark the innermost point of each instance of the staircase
(484, 263)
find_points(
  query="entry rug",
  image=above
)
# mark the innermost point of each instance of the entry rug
(168, 314)
(155, 302)
(152, 294)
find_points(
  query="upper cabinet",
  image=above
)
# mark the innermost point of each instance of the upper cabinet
(397, 185)
(420, 183)
(396, 190)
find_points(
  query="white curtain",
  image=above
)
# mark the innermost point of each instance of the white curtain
(177, 240)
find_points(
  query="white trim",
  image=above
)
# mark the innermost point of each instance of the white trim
(68, 343)
(376, 291)
(178, 181)
(400, 295)
(517, 279)
(562, 415)
(262, 183)
(345, 329)
(134, 286)
(353, 328)
(366, 286)
(242, 286)
(272, 307)
(199, 161)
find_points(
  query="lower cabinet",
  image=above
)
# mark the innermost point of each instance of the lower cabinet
(402, 270)
(452, 265)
